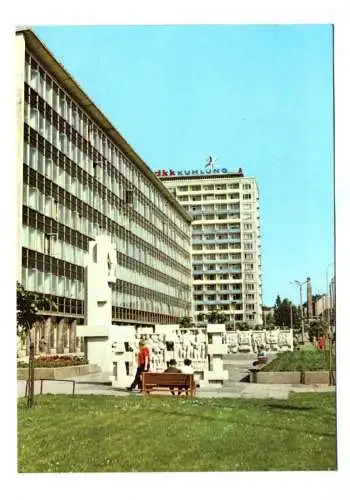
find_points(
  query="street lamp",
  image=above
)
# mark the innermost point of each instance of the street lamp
(329, 328)
(328, 298)
(300, 285)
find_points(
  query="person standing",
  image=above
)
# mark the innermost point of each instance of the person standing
(143, 363)
(321, 343)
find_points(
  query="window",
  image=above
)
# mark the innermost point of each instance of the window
(33, 198)
(48, 92)
(248, 227)
(247, 196)
(41, 84)
(248, 246)
(49, 240)
(34, 78)
(34, 118)
(247, 186)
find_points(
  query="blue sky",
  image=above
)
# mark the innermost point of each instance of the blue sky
(256, 97)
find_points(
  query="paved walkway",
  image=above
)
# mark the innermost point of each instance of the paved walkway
(97, 384)
(237, 365)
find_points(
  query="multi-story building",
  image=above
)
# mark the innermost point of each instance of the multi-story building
(79, 178)
(225, 241)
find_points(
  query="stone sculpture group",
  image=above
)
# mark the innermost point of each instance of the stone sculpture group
(114, 347)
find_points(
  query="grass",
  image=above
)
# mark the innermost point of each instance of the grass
(133, 434)
(299, 361)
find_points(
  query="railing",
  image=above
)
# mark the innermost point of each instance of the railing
(52, 380)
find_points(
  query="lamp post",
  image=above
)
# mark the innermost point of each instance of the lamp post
(300, 285)
(328, 299)
(329, 327)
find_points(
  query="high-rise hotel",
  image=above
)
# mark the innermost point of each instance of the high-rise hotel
(79, 178)
(226, 254)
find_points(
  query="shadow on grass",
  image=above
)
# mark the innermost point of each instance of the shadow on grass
(265, 427)
(279, 406)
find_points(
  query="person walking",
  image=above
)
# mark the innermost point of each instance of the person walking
(143, 363)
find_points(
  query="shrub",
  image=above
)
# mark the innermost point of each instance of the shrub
(55, 361)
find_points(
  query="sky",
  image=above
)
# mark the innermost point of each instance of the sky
(256, 97)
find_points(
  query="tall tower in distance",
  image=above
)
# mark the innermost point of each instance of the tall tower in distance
(309, 298)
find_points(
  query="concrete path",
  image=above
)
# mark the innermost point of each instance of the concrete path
(234, 390)
(237, 365)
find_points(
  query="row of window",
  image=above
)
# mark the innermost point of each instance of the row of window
(217, 267)
(47, 283)
(208, 197)
(41, 82)
(50, 244)
(214, 227)
(219, 246)
(212, 208)
(211, 217)
(40, 282)
(211, 187)
(84, 191)
(48, 206)
(233, 288)
(218, 298)
(223, 257)
(217, 277)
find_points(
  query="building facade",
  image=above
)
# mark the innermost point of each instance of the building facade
(226, 257)
(79, 178)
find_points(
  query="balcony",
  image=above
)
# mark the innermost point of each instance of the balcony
(216, 231)
(217, 271)
(216, 241)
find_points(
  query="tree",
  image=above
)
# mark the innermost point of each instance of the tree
(282, 314)
(201, 317)
(217, 317)
(186, 322)
(317, 328)
(28, 306)
(243, 326)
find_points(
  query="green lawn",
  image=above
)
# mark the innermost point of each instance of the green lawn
(136, 433)
(299, 361)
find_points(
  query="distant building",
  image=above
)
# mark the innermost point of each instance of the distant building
(226, 253)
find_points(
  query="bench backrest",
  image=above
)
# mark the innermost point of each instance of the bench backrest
(168, 379)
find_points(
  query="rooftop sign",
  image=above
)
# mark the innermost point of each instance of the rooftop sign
(209, 169)
(173, 173)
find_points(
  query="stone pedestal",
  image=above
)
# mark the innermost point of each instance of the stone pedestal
(216, 374)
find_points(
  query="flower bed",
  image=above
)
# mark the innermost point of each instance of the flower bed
(55, 361)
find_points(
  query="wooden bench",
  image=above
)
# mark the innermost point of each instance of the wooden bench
(168, 382)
